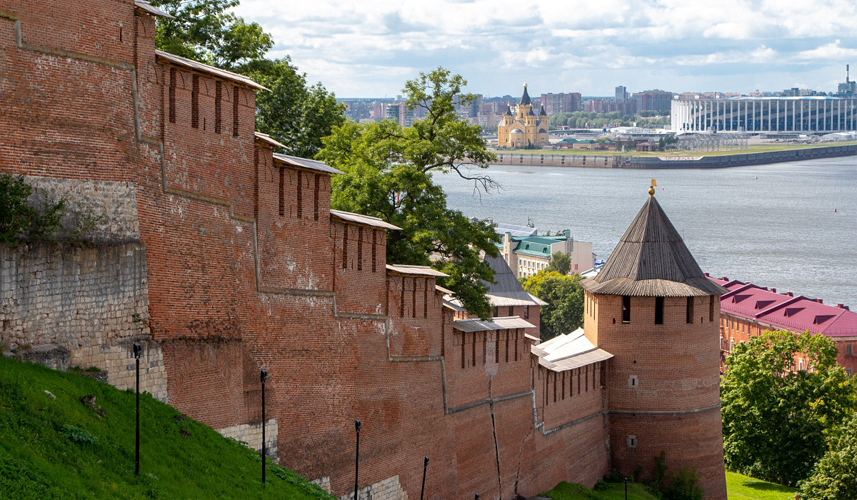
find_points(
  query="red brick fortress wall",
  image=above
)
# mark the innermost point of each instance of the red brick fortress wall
(246, 270)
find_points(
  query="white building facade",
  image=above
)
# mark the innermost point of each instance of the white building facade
(811, 114)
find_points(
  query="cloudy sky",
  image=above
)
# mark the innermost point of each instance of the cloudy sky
(364, 48)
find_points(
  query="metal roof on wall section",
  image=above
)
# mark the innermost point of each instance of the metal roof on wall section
(367, 220)
(267, 139)
(415, 271)
(569, 351)
(209, 70)
(652, 260)
(479, 325)
(151, 9)
(295, 161)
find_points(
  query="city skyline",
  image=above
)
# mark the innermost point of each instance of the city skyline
(586, 47)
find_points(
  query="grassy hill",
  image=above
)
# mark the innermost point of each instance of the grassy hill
(53, 446)
(747, 488)
(611, 491)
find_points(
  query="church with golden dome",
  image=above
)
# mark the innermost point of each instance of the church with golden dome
(523, 129)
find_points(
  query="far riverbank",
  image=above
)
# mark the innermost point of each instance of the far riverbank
(552, 158)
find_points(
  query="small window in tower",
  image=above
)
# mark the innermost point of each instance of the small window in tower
(849, 349)
(690, 310)
(527, 313)
(632, 381)
(511, 310)
(626, 309)
(632, 441)
(496, 312)
(659, 310)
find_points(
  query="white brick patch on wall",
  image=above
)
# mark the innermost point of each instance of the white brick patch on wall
(388, 489)
(251, 435)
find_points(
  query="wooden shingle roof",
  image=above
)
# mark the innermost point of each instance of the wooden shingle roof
(652, 260)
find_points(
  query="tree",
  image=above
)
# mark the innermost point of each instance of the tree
(388, 174)
(564, 295)
(19, 220)
(206, 31)
(835, 475)
(776, 419)
(293, 113)
(560, 262)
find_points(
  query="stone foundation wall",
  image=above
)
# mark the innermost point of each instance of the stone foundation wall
(83, 306)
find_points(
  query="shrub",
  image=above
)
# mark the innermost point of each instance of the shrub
(19, 220)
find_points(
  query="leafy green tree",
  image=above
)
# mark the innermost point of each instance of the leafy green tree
(835, 475)
(388, 174)
(560, 262)
(206, 31)
(776, 419)
(19, 219)
(564, 295)
(293, 113)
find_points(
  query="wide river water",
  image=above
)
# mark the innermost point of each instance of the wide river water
(791, 226)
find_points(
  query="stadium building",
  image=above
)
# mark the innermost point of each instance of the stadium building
(811, 114)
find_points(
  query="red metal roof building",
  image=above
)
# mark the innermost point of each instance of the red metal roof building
(747, 310)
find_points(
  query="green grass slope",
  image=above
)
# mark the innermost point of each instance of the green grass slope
(611, 491)
(740, 487)
(59, 448)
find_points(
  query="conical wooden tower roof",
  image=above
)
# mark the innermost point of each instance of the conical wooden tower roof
(652, 260)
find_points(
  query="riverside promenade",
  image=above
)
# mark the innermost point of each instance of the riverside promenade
(551, 159)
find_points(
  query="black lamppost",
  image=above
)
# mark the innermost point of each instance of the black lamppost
(138, 349)
(263, 377)
(357, 425)
(425, 467)
(626, 488)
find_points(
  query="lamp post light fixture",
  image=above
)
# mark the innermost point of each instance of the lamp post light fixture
(425, 467)
(263, 377)
(626, 488)
(138, 350)
(357, 426)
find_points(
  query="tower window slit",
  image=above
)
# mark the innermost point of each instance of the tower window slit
(659, 310)
(689, 310)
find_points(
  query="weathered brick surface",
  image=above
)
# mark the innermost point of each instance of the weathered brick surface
(245, 270)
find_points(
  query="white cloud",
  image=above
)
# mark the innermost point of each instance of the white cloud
(362, 48)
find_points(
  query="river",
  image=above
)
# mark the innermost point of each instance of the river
(791, 226)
